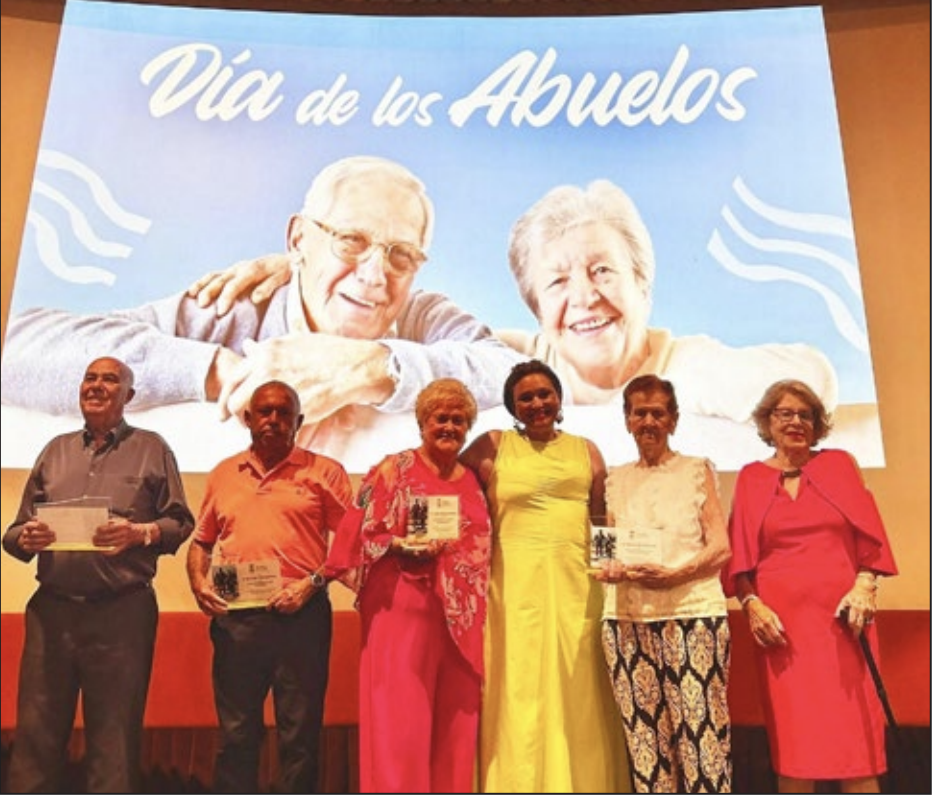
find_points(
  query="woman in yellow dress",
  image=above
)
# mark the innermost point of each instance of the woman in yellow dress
(548, 723)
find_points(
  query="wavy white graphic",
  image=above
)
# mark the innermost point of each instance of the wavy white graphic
(99, 190)
(805, 259)
(50, 255)
(763, 272)
(803, 222)
(100, 200)
(80, 225)
(847, 269)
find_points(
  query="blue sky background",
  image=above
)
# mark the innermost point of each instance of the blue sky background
(220, 191)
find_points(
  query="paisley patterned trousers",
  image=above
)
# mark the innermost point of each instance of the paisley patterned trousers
(670, 680)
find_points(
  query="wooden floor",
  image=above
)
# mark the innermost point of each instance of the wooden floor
(181, 760)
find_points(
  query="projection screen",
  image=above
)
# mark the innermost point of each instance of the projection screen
(180, 141)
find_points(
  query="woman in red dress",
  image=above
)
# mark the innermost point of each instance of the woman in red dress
(808, 548)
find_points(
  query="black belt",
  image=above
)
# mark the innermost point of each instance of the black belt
(104, 596)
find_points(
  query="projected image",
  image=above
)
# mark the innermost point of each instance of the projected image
(357, 206)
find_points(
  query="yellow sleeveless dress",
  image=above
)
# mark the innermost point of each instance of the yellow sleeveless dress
(549, 723)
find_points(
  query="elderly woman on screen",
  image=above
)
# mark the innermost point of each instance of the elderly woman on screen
(584, 263)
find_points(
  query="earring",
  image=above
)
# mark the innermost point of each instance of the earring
(559, 418)
(519, 426)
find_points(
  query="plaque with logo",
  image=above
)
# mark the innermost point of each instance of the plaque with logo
(247, 584)
(432, 518)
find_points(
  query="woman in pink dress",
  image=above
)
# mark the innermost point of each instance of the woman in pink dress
(808, 548)
(420, 567)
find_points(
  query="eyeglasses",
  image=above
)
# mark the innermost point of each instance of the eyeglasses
(354, 246)
(786, 415)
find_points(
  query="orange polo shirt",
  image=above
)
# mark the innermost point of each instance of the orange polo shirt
(286, 513)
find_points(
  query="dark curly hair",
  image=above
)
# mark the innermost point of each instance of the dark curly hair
(528, 368)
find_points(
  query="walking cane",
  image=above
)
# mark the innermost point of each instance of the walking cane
(875, 672)
(878, 682)
(905, 773)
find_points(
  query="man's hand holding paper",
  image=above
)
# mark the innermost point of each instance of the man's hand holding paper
(73, 524)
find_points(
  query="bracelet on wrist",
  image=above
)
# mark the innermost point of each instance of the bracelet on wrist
(748, 598)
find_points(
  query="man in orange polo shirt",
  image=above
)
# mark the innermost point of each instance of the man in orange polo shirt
(255, 566)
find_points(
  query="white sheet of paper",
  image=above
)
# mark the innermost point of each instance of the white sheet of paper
(75, 521)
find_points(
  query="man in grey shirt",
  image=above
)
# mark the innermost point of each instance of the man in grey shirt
(90, 626)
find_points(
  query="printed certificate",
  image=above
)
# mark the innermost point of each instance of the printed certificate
(249, 584)
(639, 545)
(432, 517)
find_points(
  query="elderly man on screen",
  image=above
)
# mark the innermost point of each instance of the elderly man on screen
(348, 331)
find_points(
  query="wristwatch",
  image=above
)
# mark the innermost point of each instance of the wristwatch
(318, 581)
